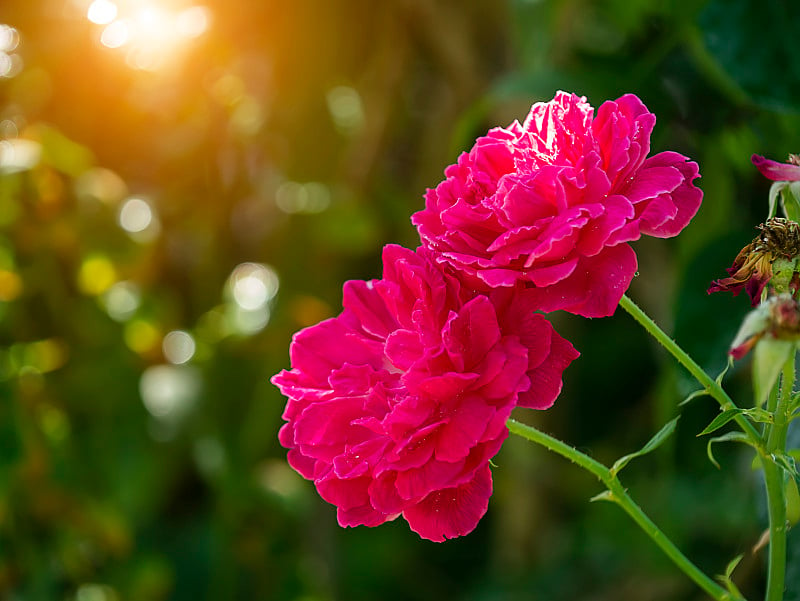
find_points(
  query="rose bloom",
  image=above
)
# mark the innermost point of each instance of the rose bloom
(397, 405)
(553, 203)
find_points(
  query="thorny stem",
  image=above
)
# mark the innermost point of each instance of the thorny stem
(775, 434)
(769, 446)
(616, 493)
(711, 386)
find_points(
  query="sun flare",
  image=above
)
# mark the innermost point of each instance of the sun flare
(148, 33)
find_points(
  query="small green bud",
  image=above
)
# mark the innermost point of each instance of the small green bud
(783, 272)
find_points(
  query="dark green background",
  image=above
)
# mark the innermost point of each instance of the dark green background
(100, 500)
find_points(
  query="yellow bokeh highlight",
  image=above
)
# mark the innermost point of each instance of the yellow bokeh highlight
(142, 336)
(50, 188)
(96, 275)
(228, 89)
(308, 310)
(39, 357)
(54, 423)
(10, 285)
(30, 381)
(46, 355)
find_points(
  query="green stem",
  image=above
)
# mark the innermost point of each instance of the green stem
(617, 494)
(775, 432)
(711, 386)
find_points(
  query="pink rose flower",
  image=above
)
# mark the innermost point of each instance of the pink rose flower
(553, 203)
(397, 405)
(788, 172)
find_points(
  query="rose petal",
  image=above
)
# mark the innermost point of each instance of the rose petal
(776, 171)
(452, 512)
(671, 210)
(595, 287)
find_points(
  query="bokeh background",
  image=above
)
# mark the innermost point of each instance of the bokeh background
(184, 184)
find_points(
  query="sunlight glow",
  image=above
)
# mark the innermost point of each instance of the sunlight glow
(10, 62)
(138, 218)
(250, 289)
(135, 215)
(115, 35)
(10, 65)
(192, 22)
(102, 12)
(248, 323)
(9, 38)
(178, 347)
(346, 109)
(253, 285)
(102, 185)
(151, 33)
(122, 300)
(294, 197)
(168, 391)
(18, 154)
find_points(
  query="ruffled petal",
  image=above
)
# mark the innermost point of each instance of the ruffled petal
(668, 198)
(452, 512)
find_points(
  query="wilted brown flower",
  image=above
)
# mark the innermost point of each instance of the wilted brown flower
(771, 256)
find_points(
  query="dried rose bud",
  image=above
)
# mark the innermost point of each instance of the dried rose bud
(772, 257)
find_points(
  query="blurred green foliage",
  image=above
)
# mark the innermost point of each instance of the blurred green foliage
(163, 231)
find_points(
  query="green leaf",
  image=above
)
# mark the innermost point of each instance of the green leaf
(774, 193)
(755, 414)
(704, 391)
(651, 445)
(793, 190)
(734, 436)
(726, 577)
(732, 565)
(721, 375)
(693, 396)
(791, 203)
(759, 415)
(769, 357)
(794, 405)
(722, 419)
(787, 463)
